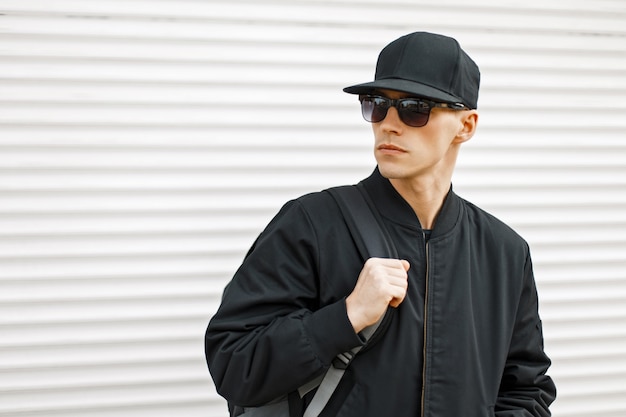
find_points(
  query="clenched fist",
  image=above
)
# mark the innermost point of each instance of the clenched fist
(381, 283)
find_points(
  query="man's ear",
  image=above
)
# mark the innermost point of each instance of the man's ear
(469, 120)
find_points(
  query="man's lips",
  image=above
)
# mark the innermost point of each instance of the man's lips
(390, 149)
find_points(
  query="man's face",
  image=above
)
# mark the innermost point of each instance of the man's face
(405, 153)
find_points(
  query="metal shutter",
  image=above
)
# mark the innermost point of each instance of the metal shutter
(145, 143)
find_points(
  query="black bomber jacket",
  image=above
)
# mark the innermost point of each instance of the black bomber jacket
(465, 342)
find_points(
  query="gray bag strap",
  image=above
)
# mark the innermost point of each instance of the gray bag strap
(372, 240)
(333, 376)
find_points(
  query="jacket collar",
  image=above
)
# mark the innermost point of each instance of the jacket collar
(395, 208)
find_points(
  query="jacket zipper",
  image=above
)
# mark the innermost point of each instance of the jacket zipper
(425, 334)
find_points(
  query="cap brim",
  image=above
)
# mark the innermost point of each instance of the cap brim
(410, 87)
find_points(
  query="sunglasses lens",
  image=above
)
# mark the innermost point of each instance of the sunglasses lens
(374, 109)
(414, 112)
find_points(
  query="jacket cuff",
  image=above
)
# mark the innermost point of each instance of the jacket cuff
(330, 331)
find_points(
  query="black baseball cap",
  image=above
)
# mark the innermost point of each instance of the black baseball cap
(426, 65)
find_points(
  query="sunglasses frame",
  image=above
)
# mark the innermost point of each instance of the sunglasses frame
(424, 107)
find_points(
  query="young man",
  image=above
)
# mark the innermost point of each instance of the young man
(465, 338)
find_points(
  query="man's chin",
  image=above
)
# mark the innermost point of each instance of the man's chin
(390, 172)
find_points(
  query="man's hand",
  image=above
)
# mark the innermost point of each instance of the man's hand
(381, 283)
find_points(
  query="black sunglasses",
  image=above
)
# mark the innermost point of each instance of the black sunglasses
(412, 111)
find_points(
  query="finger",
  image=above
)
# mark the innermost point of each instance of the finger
(399, 282)
(397, 272)
(385, 261)
(396, 301)
(397, 289)
(405, 264)
(400, 264)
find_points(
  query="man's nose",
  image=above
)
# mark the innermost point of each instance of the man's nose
(392, 121)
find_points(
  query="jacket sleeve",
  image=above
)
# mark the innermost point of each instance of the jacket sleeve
(525, 389)
(269, 336)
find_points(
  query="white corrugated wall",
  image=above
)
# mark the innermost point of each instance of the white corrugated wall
(145, 143)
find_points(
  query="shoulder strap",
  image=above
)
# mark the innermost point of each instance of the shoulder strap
(364, 222)
(372, 240)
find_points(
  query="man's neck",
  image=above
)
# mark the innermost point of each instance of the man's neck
(426, 199)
